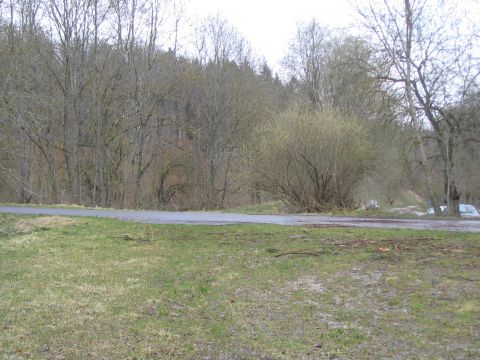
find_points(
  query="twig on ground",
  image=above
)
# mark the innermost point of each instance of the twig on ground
(311, 253)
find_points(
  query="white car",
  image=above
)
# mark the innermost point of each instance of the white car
(466, 210)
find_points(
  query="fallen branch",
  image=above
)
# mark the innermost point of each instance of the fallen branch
(129, 237)
(300, 253)
(461, 278)
(410, 239)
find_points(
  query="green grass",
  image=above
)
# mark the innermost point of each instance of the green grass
(101, 288)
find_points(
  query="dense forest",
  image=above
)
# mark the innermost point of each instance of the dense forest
(103, 103)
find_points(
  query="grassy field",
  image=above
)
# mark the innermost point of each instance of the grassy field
(105, 289)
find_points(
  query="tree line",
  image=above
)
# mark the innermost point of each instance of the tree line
(103, 103)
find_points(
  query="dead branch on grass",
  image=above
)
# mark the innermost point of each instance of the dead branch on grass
(311, 253)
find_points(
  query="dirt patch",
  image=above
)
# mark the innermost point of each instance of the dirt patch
(365, 278)
(308, 283)
(387, 244)
(43, 222)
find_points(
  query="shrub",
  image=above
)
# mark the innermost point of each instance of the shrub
(312, 161)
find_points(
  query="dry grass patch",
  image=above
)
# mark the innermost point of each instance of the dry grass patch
(43, 222)
(26, 231)
(25, 239)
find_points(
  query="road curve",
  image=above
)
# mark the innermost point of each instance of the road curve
(219, 218)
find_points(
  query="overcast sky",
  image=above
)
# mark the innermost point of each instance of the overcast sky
(268, 25)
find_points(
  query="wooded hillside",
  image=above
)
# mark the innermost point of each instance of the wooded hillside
(102, 103)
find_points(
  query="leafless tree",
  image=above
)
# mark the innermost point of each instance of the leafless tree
(428, 53)
(221, 108)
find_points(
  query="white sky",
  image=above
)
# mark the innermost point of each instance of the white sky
(268, 25)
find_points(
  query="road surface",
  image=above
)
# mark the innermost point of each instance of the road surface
(219, 218)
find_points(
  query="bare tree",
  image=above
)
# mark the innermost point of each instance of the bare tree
(30, 115)
(427, 52)
(334, 69)
(67, 66)
(307, 60)
(221, 108)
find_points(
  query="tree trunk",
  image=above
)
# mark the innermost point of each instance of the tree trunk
(452, 193)
(211, 200)
(25, 195)
(52, 173)
(413, 114)
(225, 182)
(140, 167)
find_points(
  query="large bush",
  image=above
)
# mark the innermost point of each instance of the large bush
(312, 161)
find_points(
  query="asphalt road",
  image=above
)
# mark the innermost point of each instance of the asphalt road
(218, 218)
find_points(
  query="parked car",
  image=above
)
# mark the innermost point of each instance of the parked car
(466, 210)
